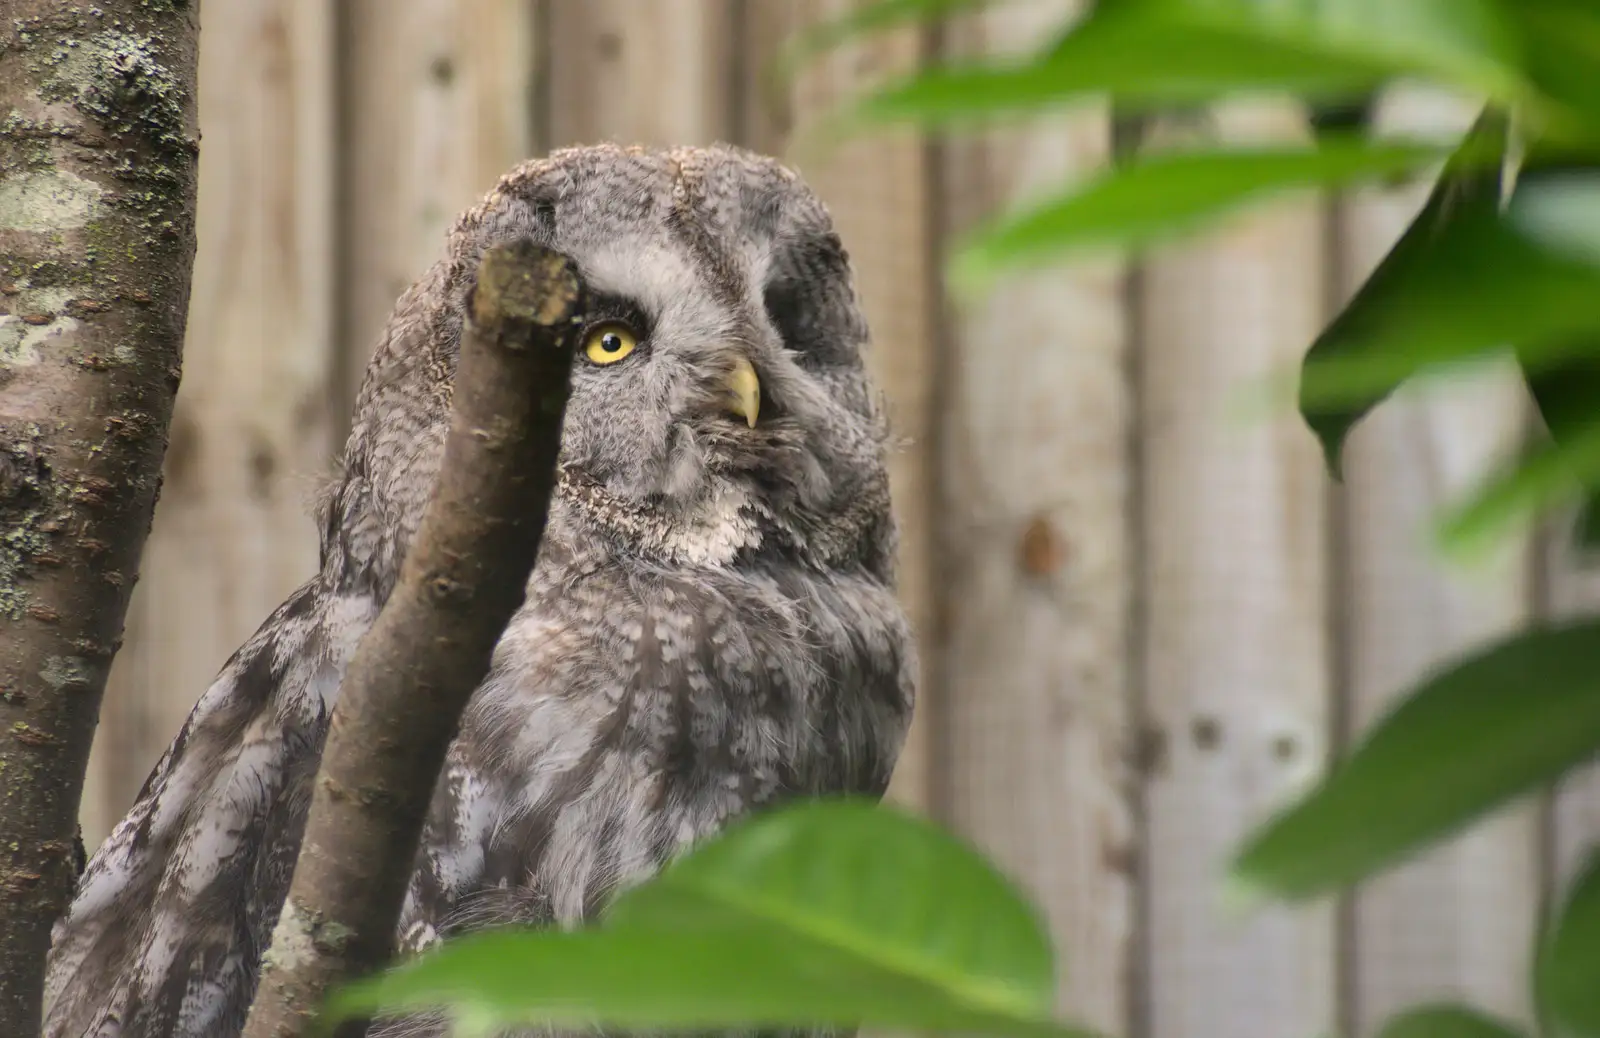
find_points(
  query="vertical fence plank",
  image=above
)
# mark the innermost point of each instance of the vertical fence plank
(252, 429)
(1457, 922)
(1035, 455)
(1234, 641)
(640, 71)
(764, 105)
(878, 192)
(436, 102)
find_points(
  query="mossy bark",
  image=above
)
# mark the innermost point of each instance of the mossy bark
(98, 152)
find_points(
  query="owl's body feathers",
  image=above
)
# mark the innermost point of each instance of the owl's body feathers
(711, 625)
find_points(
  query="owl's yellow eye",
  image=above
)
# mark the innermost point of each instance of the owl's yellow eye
(609, 343)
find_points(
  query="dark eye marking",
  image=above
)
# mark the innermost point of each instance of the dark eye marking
(544, 215)
(608, 308)
(807, 299)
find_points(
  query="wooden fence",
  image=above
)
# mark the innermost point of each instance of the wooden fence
(1145, 618)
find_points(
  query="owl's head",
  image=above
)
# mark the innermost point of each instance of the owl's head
(721, 409)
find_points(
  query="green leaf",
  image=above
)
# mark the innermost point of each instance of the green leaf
(1486, 283)
(1562, 44)
(1544, 919)
(1144, 63)
(654, 979)
(1447, 1021)
(1482, 281)
(1472, 44)
(1567, 966)
(1561, 208)
(1551, 474)
(825, 914)
(1492, 727)
(821, 872)
(1567, 393)
(1169, 194)
(1468, 185)
(1163, 52)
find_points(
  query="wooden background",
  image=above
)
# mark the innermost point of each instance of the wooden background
(1145, 619)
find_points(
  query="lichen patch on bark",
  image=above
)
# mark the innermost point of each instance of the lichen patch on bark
(291, 940)
(60, 672)
(48, 200)
(37, 318)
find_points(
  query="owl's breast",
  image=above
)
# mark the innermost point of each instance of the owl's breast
(636, 711)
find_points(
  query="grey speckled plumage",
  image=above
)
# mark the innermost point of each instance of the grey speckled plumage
(711, 626)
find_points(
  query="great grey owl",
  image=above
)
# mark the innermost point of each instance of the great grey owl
(711, 625)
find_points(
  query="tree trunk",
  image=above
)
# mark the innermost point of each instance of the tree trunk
(97, 190)
(413, 673)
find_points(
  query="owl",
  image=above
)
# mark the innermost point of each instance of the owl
(711, 626)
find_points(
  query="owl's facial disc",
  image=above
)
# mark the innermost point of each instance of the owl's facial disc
(719, 392)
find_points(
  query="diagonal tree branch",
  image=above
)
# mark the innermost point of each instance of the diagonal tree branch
(97, 188)
(411, 676)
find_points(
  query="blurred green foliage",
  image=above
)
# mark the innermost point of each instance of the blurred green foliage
(842, 913)
(822, 914)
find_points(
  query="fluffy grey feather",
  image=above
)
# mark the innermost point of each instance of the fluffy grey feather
(711, 626)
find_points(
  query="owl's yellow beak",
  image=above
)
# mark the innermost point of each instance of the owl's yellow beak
(744, 391)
